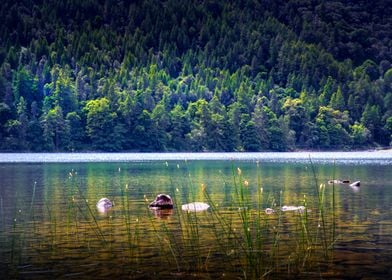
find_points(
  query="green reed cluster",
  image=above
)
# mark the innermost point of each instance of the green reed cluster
(246, 239)
(262, 245)
(240, 238)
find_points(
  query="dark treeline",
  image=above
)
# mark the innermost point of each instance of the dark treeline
(183, 75)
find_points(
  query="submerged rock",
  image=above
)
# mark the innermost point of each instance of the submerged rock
(269, 211)
(104, 204)
(162, 201)
(355, 184)
(195, 207)
(293, 208)
(334, 182)
(338, 182)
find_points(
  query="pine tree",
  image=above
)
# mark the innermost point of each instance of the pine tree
(337, 100)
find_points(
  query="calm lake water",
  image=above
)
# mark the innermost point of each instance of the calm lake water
(50, 227)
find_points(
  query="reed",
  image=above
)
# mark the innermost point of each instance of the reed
(132, 227)
(188, 222)
(239, 236)
(2, 214)
(246, 242)
(164, 240)
(71, 215)
(127, 217)
(179, 237)
(192, 225)
(224, 232)
(260, 241)
(13, 241)
(17, 232)
(52, 225)
(89, 216)
(32, 216)
(333, 239)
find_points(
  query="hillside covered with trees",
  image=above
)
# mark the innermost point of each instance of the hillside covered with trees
(184, 75)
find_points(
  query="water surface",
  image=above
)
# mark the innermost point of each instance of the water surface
(50, 228)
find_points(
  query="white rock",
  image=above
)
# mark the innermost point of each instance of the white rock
(269, 211)
(104, 204)
(292, 208)
(195, 207)
(355, 184)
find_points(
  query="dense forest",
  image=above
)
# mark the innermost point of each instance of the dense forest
(182, 75)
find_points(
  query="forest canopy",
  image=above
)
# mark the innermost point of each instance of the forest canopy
(182, 75)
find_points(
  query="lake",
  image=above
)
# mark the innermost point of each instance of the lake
(50, 226)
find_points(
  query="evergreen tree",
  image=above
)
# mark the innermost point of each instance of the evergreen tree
(371, 120)
(337, 100)
(388, 128)
(194, 75)
(77, 133)
(360, 135)
(249, 137)
(102, 129)
(296, 117)
(55, 130)
(261, 119)
(178, 129)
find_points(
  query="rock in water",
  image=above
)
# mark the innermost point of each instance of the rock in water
(269, 211)
(293, 208)
(104, 204)
(162, 201)
(355, 184)
(195, 207)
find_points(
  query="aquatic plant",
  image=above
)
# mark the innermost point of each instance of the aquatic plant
(238, 236)
(89, 215)
(270, 244)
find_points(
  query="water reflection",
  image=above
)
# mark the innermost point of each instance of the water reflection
(49, 217)
(355, 188)
(162, 213)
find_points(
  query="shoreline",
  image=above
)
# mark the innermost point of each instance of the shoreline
(372, 149)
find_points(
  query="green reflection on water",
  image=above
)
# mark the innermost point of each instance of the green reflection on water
(50, 232)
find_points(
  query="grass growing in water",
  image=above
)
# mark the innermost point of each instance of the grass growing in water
(237, 237)
(277, 244)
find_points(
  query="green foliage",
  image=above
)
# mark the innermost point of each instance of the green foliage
(55, 130)
(337, 100)
(388, 128)
(101, 125)
(194, 75)
(360, 135)
(249, 138)
(332, 126)
(371, 118)
(77, 133)
(296, 115)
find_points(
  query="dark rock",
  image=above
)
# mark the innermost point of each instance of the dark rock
(162, 201)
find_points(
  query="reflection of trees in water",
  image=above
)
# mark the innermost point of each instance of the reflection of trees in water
(62, 228)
